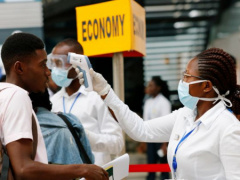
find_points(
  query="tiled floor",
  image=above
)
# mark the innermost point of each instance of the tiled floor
(137, 159)
(137, 176)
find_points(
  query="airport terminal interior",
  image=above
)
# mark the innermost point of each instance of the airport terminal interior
(176, 30)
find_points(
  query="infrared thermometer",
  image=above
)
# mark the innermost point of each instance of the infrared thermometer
(83, 64)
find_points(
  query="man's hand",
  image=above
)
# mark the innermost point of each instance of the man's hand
(100, 85)
(94, 172)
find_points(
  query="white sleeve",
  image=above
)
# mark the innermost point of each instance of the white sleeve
(110, 139)
(17, 121)
(230, 151)
(156, 130)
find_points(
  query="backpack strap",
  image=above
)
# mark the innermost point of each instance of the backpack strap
(35, 137)
(5, 167)
(82, 151)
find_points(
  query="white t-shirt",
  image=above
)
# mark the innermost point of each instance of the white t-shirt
(103, 132)
(211, 152)
(16, 118)
(156, 107)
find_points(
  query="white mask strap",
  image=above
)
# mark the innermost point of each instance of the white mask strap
(226, 101)
(222, 98)
(198, 81)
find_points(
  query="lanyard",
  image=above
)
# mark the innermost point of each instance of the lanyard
(71, 105)
(174, 163)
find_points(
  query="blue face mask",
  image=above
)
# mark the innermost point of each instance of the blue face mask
(59, 76)
(191, 101)
(184, 96)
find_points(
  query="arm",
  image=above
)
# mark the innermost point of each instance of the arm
(25, 168)
(164, 148)
(16, 135)
(110, 110)
(155, 130)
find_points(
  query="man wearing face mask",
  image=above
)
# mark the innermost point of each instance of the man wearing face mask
(104, 134)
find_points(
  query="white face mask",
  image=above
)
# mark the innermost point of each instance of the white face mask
(191, 101)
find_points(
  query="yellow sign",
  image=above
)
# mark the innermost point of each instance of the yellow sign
(110, 27)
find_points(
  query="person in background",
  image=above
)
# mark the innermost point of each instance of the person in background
(24, 60)
(146, 95)
(104, 134)
(156, 106)
(60, 143)
(204, 135)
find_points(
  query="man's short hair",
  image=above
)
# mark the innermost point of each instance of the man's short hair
(72, 43)
(18, 47)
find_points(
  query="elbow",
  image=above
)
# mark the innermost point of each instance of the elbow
(22, 173)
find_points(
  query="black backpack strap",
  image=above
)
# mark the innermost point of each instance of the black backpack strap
(35, 137)
(82, 151)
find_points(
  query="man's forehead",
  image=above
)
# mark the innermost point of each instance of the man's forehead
(59, 54)
(62, 49)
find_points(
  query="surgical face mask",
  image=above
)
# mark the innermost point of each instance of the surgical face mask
(191, 101)
(59, 76)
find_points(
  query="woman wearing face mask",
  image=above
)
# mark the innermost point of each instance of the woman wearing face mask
(203, 136)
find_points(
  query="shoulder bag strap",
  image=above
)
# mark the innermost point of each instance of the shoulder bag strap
(5, 166)
(35, 137)
(81, 149)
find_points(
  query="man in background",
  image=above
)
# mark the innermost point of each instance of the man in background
(103, 132)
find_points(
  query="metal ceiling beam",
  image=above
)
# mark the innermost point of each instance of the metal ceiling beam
(53, 9)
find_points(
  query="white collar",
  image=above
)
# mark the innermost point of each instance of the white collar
(208, 117)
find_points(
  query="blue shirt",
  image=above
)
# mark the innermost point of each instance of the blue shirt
(60, 144)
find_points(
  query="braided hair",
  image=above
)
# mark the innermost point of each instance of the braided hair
(217, 66)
